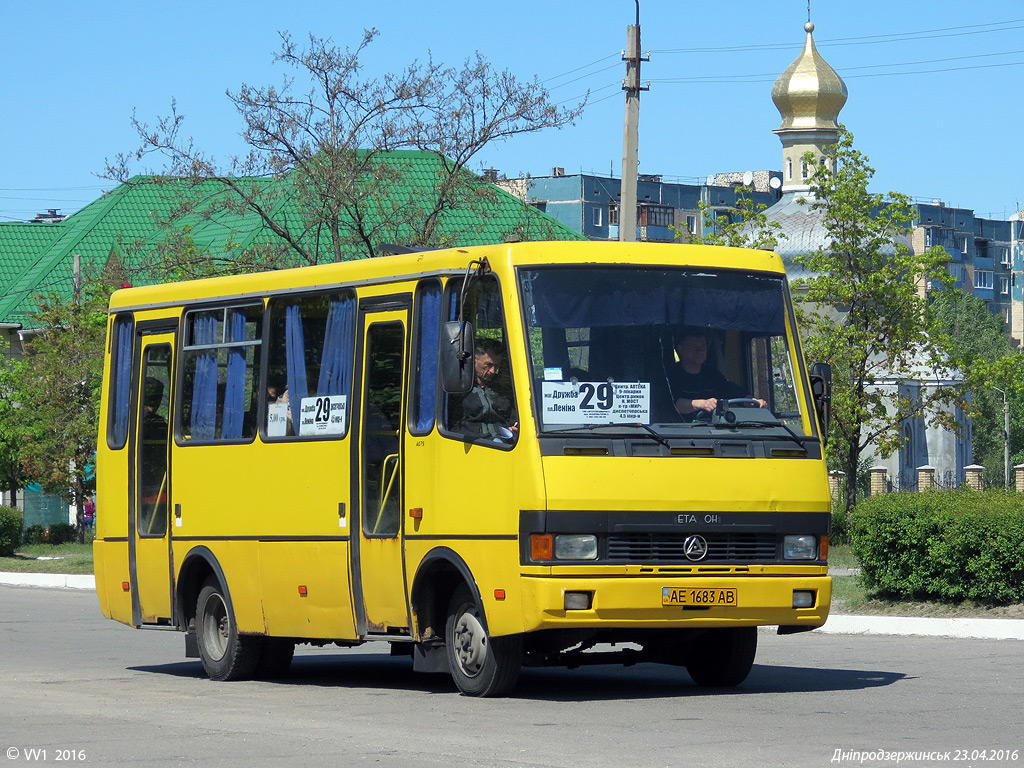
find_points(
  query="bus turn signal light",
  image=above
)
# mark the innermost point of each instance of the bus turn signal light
(542, 546)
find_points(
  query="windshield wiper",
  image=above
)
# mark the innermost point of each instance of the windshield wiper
(800, 439)
(653, 433)
(591, 427)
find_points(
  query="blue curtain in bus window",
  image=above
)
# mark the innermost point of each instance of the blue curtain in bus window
(234, 393)
(295, 360)
(204, 388)
(426, 384)
(122, 383)
(339, 341)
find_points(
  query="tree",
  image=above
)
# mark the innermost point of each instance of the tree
(991, 369)
(57, 390)
(10, 461)
(743, 225)
(864, 309)
(321, 169)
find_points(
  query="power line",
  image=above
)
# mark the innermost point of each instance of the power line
(582, 77)
(574, 71)
(848, 72)
(771, 77)
(927, 34)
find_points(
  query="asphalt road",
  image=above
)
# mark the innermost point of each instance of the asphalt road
(77, 688)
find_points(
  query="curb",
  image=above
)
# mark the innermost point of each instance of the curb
(837, 624)
(983, 629)
(54, 580)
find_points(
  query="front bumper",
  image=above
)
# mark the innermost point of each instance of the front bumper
(636, 601)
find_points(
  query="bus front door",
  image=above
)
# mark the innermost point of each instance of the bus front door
(384, 607)
(149, 482)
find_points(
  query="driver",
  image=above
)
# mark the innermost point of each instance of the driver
(696, 387)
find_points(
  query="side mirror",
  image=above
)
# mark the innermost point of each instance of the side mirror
(821, 391)
(457, 357)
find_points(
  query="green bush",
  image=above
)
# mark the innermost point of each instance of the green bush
(10, 530)
(34, 534)
(943, 545)
(840, 531)
(62, 533)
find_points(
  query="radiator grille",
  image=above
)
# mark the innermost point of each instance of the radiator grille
(664, 547)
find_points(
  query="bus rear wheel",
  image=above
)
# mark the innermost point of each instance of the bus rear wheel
(480, 665)
(225, 654)
(723, 657)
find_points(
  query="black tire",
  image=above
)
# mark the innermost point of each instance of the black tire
(275, 658)
(723, 657)
(225, 654)
(479, 664)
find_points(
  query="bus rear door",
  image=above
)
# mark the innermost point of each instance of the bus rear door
(381, 603)
(149, 481)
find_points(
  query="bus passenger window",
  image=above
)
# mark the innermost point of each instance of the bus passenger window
(221, 360)
(309, 372)
(487, 412)
(120, 381)
(423, 397)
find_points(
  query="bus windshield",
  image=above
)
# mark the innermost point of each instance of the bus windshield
(679, 350)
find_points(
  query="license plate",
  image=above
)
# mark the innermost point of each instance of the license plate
(699, 596)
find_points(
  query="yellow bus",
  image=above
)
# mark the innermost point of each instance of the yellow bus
(492, 457)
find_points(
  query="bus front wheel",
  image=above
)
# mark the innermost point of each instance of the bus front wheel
(723, 657)
(225, 654)
(480, 665)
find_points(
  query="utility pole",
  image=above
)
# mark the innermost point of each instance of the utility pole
(630, 132)
(76, 277)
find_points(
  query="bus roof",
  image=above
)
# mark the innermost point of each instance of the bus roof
(410, 266)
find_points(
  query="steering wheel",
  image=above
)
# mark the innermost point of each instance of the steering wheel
(702, 416)
(739, 402)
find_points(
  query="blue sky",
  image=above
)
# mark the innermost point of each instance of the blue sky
(935, 85)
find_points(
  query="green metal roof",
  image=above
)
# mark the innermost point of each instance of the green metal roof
(37, 258)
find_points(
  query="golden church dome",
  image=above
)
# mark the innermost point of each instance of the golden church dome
(809, 94)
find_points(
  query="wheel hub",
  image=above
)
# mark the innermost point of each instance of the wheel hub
(470, 644)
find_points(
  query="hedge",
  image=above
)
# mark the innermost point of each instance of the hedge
(943, 545)
(10, 530)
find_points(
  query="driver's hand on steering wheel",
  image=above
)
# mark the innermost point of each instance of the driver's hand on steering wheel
(708, 404)
(686, 407)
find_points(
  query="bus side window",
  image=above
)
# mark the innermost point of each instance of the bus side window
(423, 391)
(220, 362)
(310, 359)
(487, 412)
(119, 397)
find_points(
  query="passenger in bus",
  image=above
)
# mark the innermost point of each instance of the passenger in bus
(487, 411)
(152, 459)
(697, 386)
(154, 426)
(381, 439)
(279, 412)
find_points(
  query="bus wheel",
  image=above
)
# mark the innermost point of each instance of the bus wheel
(480, 665)
(723, 657)
(225, 654)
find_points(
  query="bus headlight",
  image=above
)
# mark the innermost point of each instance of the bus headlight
(575, 546)
(800, 547)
